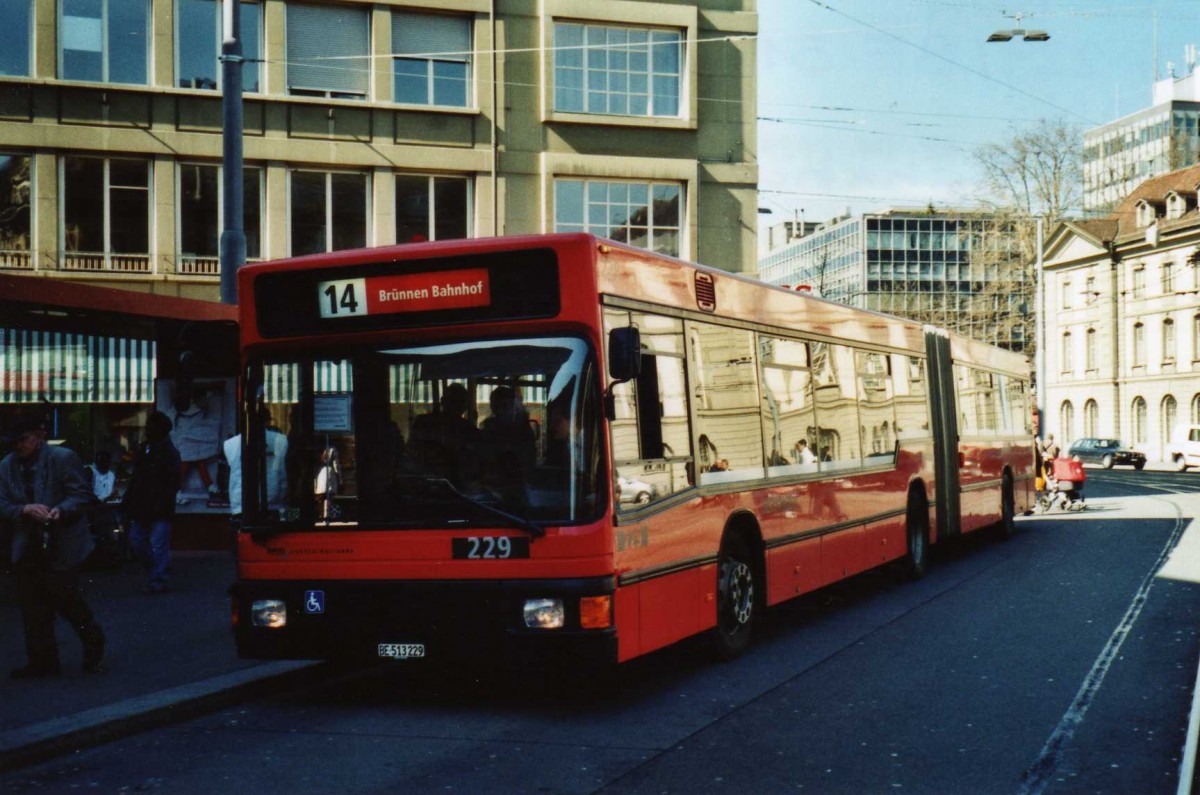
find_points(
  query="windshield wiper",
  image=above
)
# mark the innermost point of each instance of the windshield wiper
(534, 529)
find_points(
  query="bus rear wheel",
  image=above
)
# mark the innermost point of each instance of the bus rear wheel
(917, 532)
(737, 598)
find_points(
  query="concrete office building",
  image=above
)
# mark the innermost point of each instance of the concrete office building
(960, 270)
(1120, 155)
(368, 124)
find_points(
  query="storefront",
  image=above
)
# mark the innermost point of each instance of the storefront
(97, 361)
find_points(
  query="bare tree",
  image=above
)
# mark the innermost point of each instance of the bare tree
(1036, 172)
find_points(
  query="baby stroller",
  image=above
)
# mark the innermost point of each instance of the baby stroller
(1065, 479)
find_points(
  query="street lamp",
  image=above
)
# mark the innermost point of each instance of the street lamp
(1018, 31)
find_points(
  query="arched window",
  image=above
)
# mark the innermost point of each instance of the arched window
(1139, 344)
(1169, 411)
(1196, 337)
(1091, 419)
(1168, 340)
(1091, 352)
(1139, 420)
(1066, 422)
(1196, 409)
(1068, 353)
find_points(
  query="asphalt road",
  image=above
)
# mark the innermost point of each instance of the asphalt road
(1054, 662)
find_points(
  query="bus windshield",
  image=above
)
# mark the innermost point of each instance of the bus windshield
(479, 433)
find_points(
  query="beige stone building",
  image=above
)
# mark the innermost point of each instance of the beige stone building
(369, 124)
(1122, 318)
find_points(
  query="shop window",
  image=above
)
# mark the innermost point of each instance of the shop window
(15, 211)
(328, 51)
(198, 37)
(106, 214)
(432, 63)
(432, 208)
(328, 211)
(200, 217)
(16, 38)
(104, 40)
(643, 214)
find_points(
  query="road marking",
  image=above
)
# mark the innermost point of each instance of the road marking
(1043, 771)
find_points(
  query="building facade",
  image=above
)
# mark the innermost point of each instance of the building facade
(370, 124)
(1122, 154)
(958, 270)
(1122, 318)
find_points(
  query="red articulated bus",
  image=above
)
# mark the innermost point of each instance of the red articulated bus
(559, 446)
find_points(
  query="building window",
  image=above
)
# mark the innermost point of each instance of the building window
(1139, 420)
(198, 36)
(104, 40)
(1090, 294)
(1168, 278)
(1091, 419)
(1139, 282)
(200, 217)
(1066, 421)
(1170, 410)
(1068, 353)
(328, 51)
(106, 214)
(432, 63)
(1091, 351)
(1066, 294)
(16, 37)
(15, 212)
(646, 215)
(432, 208)
(1168, 340)
(624, 71)
(1196, 409)
(328, 211)
(1139, 344)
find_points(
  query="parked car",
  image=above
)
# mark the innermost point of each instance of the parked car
(1107, 453)
(1184, 448)
(638, 492)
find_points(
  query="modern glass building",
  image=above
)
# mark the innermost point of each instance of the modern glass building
(958, 270)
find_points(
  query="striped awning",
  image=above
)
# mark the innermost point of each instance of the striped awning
(63, 367)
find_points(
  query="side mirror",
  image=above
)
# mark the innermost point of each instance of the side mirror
(624, 353)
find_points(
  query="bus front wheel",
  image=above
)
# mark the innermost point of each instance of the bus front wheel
(737, 598)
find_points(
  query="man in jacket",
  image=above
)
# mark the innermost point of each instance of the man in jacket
(44, 495)
(149, 502)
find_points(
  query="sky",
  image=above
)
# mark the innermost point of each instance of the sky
(870, 104)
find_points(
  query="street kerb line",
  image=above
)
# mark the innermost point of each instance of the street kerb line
(1043, 770)
(28, 745)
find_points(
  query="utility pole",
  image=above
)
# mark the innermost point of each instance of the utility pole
(233, 235)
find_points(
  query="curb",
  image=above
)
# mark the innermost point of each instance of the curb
(41, 741)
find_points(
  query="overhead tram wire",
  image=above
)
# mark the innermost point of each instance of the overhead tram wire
(951, 61)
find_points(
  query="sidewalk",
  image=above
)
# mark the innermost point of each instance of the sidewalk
(167, 655)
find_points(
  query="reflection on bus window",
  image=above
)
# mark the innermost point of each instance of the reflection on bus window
(483, 433)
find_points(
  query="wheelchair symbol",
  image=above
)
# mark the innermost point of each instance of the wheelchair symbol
(314, 601)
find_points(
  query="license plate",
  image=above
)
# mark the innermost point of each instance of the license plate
(489, 547)
(402, 651)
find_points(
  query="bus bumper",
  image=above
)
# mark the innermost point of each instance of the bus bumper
(458, 621)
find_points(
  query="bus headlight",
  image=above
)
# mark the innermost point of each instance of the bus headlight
(544, 613)
(268, 613)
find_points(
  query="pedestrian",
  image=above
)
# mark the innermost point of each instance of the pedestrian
(149, 502)
(276, 451)
(1050, 450)
(44, 494)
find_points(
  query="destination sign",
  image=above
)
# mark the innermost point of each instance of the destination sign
(412, 292)
(465, 288)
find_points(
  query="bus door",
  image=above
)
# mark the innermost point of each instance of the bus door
(944, 418)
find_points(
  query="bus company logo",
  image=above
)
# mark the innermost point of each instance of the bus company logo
(422, 292)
